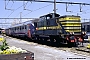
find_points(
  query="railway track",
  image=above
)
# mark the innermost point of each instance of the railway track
(77, 51)
(83, 51)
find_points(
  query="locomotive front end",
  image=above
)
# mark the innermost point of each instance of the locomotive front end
(70, 24)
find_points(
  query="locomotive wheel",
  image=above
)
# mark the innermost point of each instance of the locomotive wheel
(45, 41)
(51, 43)
(56, 41)
(76, 44)
(36, 38)
(40, 40)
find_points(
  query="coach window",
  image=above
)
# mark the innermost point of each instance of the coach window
(25, 27)
(15, 28)
(20, 27)
(11, 28)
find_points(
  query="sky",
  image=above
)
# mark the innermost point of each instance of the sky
(15, 9)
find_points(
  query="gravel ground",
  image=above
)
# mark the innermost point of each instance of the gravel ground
(43, 52)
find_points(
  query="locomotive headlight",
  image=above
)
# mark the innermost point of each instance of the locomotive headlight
(32, 56)
(36, 28)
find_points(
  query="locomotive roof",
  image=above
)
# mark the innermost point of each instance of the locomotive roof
(21, 24)
(68, 16)
(24, 23)
(50, 15)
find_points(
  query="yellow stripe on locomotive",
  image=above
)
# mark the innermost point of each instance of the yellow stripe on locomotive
(71, 23)
(70, 18)
(50, 27)
(73, 30)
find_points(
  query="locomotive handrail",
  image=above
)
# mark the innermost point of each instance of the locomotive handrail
(62, 28)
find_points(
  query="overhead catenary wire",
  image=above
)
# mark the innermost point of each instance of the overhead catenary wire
(80, 12)
(18, 18)
(58, 2)
(23, 9)
(83, 12)
(6, 4)
(19, 12)
(18, 8)
(7, 9)
(15, 10)
(24, 4)
(27, 13)
(37, 9)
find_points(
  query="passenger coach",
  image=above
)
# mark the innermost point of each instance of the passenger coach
(25, 30)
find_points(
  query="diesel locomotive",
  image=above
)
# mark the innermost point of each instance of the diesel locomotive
(51, 28)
